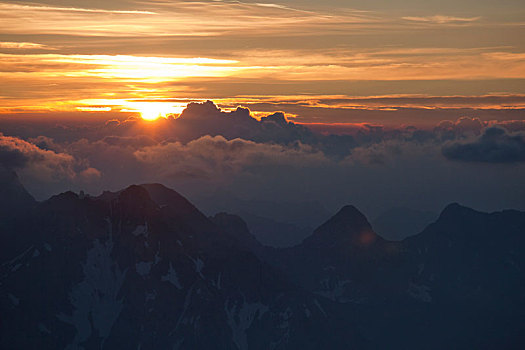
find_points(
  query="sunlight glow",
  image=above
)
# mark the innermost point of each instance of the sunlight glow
(145, 69)
(154, 110)
(256, 54)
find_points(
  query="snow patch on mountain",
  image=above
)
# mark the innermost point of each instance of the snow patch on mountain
(172, 277)
(141, 230)
(13, 299)
(95, 300)
(143, 268)
(240, 317)
(18, 260)
(334, 290)
(150, 296)
(320, 307)
(199, 265)
(307, 312)
(187, 301)
(42, 328)
(420, 292)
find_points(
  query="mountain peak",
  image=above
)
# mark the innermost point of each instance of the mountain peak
(135, 193)
(455, 210)
(135, 201)
(13, 195)
(177, 205)
(349, 219)
(348, 225)
(165, 196)
(352, 214)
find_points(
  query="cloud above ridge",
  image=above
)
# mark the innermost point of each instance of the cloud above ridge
(209, 151)
(495, 145)
(40, 164)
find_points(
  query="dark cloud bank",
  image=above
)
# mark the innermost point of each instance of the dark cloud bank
(217, 158)
(495, 145)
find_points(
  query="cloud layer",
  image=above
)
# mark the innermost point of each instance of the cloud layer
(41, 166)
(495, 145)
(209, 154)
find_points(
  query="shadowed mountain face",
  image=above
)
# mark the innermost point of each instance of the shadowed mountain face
(144, 268)
(343, 260)
(15, 202)
(460, 282)
(13, 196)
(348, 229)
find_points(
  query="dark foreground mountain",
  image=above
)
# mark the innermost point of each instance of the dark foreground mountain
(459, 284)
(14, 197)
(144, 269)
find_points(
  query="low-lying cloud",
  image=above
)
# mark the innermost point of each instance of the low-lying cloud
(211, 154)
(42, 165)
(495, 145)
(213, 157)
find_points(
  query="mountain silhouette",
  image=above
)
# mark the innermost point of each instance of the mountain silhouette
(349, 227)
(144, 268)
(13, 196)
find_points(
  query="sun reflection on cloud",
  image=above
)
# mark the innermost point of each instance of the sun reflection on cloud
(145, 69)
(94, 109)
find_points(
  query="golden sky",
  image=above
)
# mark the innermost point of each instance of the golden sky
(315, 61)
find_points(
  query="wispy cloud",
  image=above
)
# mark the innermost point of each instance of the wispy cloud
(18, 7)
(23, 45)
(183, 18)
(45, 79)
(441, 19)
(233, 49)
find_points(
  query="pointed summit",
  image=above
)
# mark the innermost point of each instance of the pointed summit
(348, 227)
(178, 206)
(350, 215)
(165, 196)
(13, 195)
(135, 202)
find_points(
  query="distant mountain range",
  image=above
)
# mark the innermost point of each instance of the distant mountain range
(276, 224)
(398, 223)
(143, 268)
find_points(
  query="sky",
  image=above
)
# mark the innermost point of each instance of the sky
(356, 59)
(381, 103)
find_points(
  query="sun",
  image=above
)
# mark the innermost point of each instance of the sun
(152, 111)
